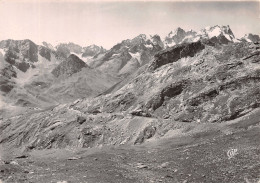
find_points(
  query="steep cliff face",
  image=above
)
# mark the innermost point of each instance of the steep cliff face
(175, 53)
(6, 84)
(24, 54)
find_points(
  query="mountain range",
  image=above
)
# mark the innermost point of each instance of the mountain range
(45, 75)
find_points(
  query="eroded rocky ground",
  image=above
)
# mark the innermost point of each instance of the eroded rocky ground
(198, 155)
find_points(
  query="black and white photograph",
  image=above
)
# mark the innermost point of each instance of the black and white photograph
(129, 91)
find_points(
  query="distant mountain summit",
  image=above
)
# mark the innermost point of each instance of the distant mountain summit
(71, 47)
(65, 49)
(48, 45)
(217, 34)
(177, 36)
(215, 31)
(92, 50)
(72, 65)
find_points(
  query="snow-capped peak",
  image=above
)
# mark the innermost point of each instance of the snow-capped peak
(142, 37)
(177, 36)
(223, 34)
(215, 31)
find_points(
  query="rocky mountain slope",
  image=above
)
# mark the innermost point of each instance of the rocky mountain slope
(208, 81)
(218, 152)
(202, 84)
(125, 57)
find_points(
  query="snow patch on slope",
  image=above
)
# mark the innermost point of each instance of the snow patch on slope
(170, 44)
(228, 37)
(2, 51)
(84, 59)
(25, 77)
(196, 39)
(148, 46)
(248, 40)
(215, 32)
(115, 55)
(136, 56)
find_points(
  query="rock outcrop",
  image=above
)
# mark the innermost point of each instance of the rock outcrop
(175, 53)
(6, 84)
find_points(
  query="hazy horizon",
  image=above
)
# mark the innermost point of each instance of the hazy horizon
(107, 23)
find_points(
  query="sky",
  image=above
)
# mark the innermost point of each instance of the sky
(106, 23)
